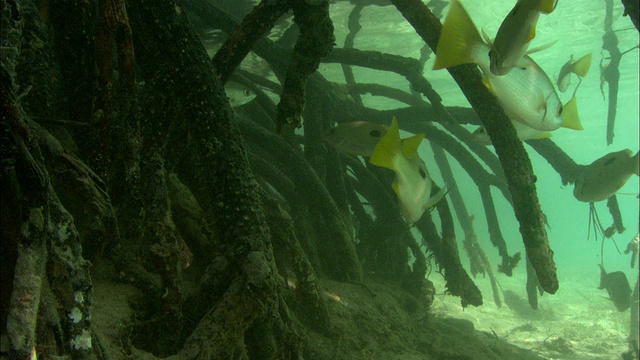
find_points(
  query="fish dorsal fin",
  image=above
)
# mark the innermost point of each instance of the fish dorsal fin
(570, 118)
(410, 145)
(437, 197)
(547, 6)
(524, 62)
(487, 84)
(457, 38)
(541, 47)
(388, 148)
(582, 65)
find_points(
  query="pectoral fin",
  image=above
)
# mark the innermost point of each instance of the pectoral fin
(544, 136)
(524, 62)
(541, 47)
(532, 33)
(487, 84)
(438, 196)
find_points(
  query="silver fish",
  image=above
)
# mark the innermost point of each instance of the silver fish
(579, 67)
(356, 138)
(238, 94)
(526, 94)
(515, 34)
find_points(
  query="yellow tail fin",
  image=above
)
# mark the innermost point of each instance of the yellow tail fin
(582, 65)
(410, 145)
(457, 38)
(388, 148)
(570, 118)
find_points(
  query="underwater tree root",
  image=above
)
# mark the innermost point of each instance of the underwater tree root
(240, 41)
(445, 251)
(354, 27)
(344, 263)
(315, 41)
(611, 72)
(168, 252)
(479, 262)
(208, 154)
(558, 159)
(306, 287)
(43, 239)
(513, 157)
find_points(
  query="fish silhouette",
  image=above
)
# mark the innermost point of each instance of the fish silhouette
(618, 288)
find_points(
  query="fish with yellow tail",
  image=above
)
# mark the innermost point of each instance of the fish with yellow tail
(412, 183)
(356, 137)
(526, 94)
(515, 34)
(579, 67)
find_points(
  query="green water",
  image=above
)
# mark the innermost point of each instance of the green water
(578, 27)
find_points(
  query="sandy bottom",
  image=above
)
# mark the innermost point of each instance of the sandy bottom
(578, 322)
(377, 321)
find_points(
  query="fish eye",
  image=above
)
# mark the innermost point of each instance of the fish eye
(374, 133)
(246, 92)
(482, 130)
(560, 109)
(423, 174)
(609, 162)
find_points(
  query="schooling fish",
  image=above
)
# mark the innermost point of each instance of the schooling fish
(579, 67)
(526, 94)
(356, 138)
(515, 34)
(603, 177)
(618, 288)
(412, 183)
(238, 94)
(524, 132)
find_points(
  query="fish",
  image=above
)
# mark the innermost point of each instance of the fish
(356, 137)
(480, 136)
(579, 67)
(526, 94)
(618, 288)
(515, 34)
(604, 177)
(412, 183)
(238, 94)
(519, 305)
